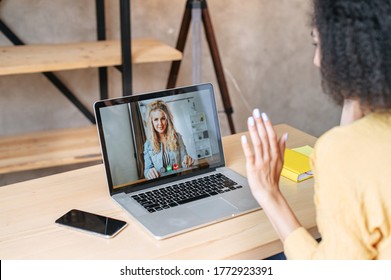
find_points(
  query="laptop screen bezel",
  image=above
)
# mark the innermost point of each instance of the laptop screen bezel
(152, 95)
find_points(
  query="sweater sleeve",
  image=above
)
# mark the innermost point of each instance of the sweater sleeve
(182, 147)
(339, 217)
(148, 164)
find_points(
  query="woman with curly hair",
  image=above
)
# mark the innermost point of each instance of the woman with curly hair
(351, 163)
(164, 149)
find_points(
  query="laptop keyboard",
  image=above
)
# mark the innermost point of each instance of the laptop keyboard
(186, 192)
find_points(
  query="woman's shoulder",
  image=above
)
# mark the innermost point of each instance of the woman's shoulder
(334, 136)
(371, 126)
(179, 137)
(352, 156)
(336, 140)
(361, 136)
(147, 144)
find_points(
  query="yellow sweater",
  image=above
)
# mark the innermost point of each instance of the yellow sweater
(352, 166)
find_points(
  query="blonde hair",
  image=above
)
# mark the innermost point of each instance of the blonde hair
(170, 133)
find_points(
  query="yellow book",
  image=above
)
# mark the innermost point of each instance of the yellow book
(296, 166)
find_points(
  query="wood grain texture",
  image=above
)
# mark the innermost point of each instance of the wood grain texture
(49, 149)
(56, 57)
(28, 211)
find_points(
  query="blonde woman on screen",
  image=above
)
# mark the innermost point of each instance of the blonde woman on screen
(164, 150)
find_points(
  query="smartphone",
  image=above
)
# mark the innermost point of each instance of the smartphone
(92, 223)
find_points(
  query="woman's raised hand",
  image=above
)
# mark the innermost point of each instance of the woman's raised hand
(152, 173)
(187, 161)
(264, 164)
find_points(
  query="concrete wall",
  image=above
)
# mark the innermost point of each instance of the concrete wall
(265, 46)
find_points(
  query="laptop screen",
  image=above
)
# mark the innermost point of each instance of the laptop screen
(158, 136)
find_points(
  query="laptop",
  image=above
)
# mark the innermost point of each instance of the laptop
(173, 189)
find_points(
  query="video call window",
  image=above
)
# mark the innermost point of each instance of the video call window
(154, 138)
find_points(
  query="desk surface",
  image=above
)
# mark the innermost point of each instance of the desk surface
(28, 211)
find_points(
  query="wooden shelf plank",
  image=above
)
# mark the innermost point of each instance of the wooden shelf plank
(49, 149)
(56, 57)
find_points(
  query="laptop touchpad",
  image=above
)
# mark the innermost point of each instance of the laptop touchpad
(213, 209)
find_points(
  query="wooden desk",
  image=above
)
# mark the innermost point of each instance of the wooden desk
(28, 211)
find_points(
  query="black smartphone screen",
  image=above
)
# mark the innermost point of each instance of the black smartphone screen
(82, 220)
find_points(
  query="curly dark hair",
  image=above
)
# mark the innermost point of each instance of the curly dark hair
(355, 42)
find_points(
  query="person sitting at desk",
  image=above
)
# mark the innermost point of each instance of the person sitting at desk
(352, 162)
(164, 149)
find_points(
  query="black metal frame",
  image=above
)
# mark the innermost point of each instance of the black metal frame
(126, 68)
(101, 36)
(126, 47)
